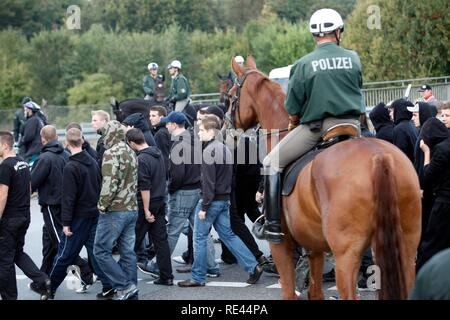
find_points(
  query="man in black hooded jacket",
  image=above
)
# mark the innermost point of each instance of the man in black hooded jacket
(405, 134)
(436, 148)
(79, 214)
(137, 120)
(382, 123)
(46, 178)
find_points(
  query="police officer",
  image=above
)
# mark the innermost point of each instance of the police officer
(240, 61)
(324, 90)
(149, 84)
(179, 89)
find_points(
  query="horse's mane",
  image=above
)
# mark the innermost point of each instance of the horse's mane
(274, 87)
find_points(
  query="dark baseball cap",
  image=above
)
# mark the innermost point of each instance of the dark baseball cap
(424, 87)
(215, 110)
(176, 117)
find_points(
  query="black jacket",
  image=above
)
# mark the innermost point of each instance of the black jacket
(87, 146)
(426, 111)
(151, 175)
(163, 141)
(184, 164)
(217, 173)
(81, 188)
(47, 173)
(100, 149)
(437, 173)
(246, 157)
(31, 139)
(382, 123)
(405, 134)
(138, 121)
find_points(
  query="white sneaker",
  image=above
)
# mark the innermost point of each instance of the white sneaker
(179, 259)
(219, 260)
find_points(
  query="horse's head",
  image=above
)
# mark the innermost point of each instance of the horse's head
(159, 89)
(255, 99)
(116, 109)
(225, 84)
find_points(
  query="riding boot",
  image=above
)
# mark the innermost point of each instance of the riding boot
(272, 206)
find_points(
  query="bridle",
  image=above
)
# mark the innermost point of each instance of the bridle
(234, 101)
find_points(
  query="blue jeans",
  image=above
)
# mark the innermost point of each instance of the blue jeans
(117, 227)
(218, 215)
(84, 230)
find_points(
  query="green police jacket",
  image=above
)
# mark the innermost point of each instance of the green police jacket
(149, 85)
(326, 83)
(179, 89)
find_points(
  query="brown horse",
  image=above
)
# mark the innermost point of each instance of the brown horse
(358, 193)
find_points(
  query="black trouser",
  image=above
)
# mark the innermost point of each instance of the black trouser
(157, 230)
(437, 236)
(246, 188)
(237, 222)
(51, 237)
(428, 199)
(12, 241)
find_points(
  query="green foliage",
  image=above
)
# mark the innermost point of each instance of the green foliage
(301, 10)
(412, 42)
(94, 89)
(14, 80)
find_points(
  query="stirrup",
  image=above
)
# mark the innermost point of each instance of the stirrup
(273, 236)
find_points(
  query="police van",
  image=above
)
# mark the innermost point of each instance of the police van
(281, 76)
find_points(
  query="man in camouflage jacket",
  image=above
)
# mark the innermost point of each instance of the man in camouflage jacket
(118, 212)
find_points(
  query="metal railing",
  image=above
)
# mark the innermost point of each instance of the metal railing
(374, 92)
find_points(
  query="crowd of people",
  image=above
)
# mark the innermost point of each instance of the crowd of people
(155, 176)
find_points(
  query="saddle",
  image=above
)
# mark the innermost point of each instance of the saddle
(333, 135)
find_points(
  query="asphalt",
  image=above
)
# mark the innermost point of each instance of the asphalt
(230, 285)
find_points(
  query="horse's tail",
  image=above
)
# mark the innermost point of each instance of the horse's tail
(389, 247)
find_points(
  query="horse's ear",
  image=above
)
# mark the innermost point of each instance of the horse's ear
(219, 76)
(251, 62)
(229, 76)
(238, 70)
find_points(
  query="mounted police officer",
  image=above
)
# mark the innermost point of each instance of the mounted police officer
(179, 89)
(151, 80)
(324, 90)
(240, 61)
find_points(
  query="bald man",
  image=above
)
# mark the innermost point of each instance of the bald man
(46, 179)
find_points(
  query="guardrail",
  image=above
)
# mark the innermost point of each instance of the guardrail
(375, 92)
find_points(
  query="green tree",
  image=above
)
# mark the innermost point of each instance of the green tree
(95, 88)
(14, 77)
(301, 10)
(412, 40)
(46, 58)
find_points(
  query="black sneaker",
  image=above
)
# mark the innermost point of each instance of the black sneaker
(163, 282)
(255, 275)
(106, 294)
(45, 290)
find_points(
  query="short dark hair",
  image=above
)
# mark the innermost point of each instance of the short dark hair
(211, 121)
(73, 125)
(7, 137)
(74, 137)
(135, 135)
(161, 110)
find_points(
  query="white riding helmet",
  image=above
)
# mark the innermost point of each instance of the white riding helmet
(152, 66)
(325, 21)
(239, 59)
(174, 64)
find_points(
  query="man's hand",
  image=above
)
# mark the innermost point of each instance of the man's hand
(259, 197)
(67, 231)
(202, 215)
(424, 147)
(149, 216)
(294, 120)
